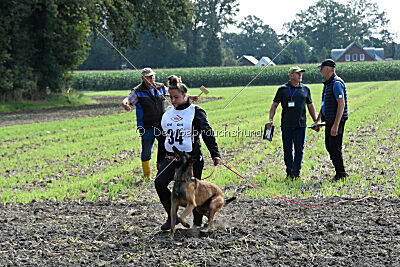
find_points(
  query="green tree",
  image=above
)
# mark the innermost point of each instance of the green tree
(330, 24)
(211, 17)
(15, 51)
(300, 51)
(256, 39)
(42, 41)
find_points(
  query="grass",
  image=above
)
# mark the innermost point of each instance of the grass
(99, 158)
(55, 100)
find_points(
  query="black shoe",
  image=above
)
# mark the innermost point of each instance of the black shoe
(340, 176)
(167, 225)
(198, 224)
(197, 218)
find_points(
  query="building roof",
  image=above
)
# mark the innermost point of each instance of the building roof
(375, 53)
(251, 59)
(265, 61)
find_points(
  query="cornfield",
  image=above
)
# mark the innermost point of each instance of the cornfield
(236, 76)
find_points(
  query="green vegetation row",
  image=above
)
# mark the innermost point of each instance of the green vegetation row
(99, 157)
(236, 76)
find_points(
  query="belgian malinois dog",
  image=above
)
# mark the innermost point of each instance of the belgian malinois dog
(191, 193)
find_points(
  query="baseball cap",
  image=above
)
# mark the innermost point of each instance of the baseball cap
(327, 62)
(147, 72)
(296, 69)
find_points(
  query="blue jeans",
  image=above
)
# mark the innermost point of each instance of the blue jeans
(148, 136)
(293, 137)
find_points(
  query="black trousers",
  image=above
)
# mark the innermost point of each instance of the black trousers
(334, 146)
(165, 175)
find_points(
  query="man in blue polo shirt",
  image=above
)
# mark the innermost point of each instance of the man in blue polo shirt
(334, 112)
(294, 97)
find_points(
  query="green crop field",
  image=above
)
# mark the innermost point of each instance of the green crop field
(236, 76)
(99, 157)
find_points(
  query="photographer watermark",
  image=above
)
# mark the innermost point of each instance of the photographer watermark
(236, 132)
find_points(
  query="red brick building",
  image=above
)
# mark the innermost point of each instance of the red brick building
(354, 53)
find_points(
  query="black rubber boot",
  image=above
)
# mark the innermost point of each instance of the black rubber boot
(167, 206)
(340, 176)
(197, 218)
(167, 225)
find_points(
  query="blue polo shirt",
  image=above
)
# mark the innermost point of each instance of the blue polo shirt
(338, 91)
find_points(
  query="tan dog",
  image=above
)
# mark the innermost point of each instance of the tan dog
(192, 193)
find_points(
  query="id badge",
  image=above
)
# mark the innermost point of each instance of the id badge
(290, 104)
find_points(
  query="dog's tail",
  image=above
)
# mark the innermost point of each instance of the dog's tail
(229, 200)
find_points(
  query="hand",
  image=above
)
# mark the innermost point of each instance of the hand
(216, 160)
(316, 128)
(126, 106)
(269, 124)
(334, 129)
(194, 97)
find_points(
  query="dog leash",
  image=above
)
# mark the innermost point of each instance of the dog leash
(209, 175)
(291, 201)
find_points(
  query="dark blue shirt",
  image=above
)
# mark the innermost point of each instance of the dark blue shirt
(293, 116)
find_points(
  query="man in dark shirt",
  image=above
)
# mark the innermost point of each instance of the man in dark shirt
(294, 96)
(334, 112)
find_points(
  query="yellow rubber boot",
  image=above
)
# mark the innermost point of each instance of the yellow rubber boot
(146, 168)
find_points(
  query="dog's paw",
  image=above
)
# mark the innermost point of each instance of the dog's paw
(184, 223)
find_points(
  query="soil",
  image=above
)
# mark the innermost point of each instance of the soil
(106, 105)
(247, 232)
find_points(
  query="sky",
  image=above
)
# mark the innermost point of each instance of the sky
(275, 13)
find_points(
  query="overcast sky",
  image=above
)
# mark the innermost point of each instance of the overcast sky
(275, 13)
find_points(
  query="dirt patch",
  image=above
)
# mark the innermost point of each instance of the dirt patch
(106, 105)
(248, 233)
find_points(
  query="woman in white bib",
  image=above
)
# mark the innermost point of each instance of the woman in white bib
(183, 123)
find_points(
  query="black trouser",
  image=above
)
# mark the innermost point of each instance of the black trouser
(334, 146)
(165, 175)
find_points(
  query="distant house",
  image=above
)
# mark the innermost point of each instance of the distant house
(247, 61)
(265, 61)
(354, 52)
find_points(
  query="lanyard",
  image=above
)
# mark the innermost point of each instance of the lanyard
(291, 97)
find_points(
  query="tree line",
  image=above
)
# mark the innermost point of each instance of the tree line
(316, 30)
(43, 41)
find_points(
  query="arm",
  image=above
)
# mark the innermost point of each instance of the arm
(317, 120)
(311, 110)
(339, 113)
(194, 97)
(131, 99)
(272, 112)
(207, 134)
(338, 90)
(161, 151)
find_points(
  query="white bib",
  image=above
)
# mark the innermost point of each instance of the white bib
(177, 124)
